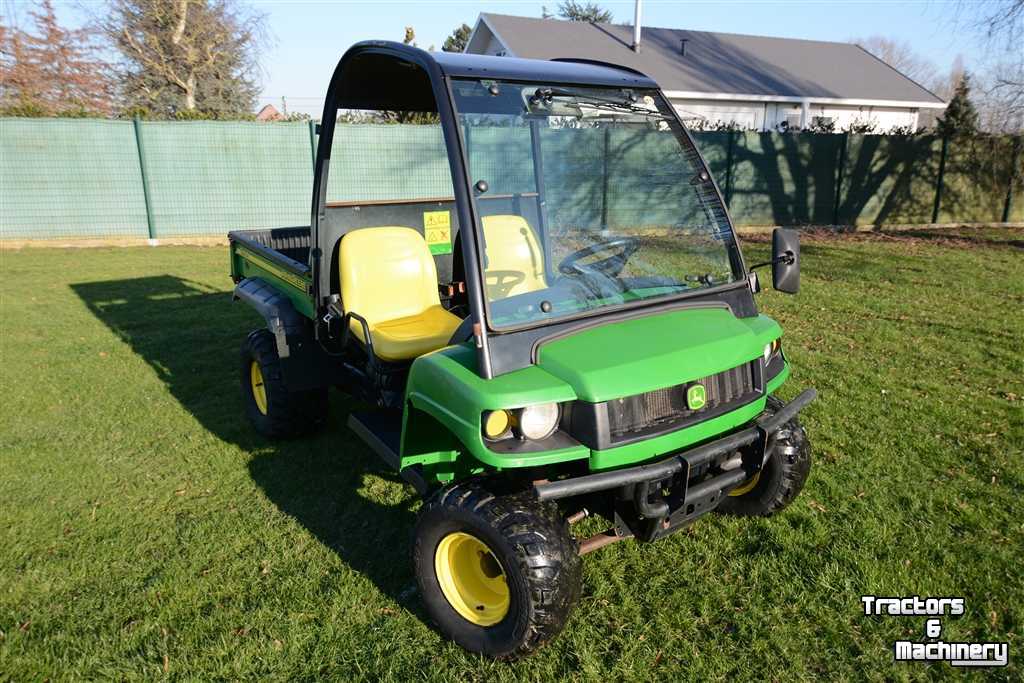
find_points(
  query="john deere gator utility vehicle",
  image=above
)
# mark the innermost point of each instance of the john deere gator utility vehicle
(560, 325)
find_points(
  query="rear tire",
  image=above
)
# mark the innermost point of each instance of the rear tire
(782, 477)
(524, 583)
(274, 411)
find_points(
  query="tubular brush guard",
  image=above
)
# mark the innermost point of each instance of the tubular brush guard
(645, 481)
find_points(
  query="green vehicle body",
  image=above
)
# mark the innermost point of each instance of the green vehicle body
(550, 376)
(446, 397)
(449, 391)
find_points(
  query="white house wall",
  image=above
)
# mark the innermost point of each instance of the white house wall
(770, 115)
(484, 42)
(845, 116)
(747, 115)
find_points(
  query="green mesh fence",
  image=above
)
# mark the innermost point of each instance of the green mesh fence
(389, 161)
(503, 156)
(784, 179)
(649, 181)
(209, 177)
(70, 178)
(1016, 212)
(889, 180)
(574, 176)
(80, 178)
(714, 146)
(974, 183)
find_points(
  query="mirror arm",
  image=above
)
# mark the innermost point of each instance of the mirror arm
(786, 258)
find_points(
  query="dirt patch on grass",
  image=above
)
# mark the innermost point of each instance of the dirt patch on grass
(956, 237)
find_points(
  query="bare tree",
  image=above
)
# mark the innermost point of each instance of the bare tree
(900, 56)
(1000, 21)
(53, 70)
(1002, 97)
(187, 56)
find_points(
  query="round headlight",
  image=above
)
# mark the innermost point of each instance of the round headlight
(496, 424)
(538, 422)
(767, 352)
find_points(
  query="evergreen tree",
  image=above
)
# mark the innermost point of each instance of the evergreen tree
(583, 11)
(960, 118)
(457, 41)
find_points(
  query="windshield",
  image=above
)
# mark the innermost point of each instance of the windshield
(590, 199)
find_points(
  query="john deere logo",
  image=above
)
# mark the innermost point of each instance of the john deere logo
(696, 397)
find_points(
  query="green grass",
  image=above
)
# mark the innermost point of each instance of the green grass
(147, 533)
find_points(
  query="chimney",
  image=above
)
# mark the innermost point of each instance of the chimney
(636, 28)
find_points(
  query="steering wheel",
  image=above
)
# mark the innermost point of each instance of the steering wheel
(609, 266)
(500, 283)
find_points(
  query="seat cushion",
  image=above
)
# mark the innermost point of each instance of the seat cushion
(388, 277)
(414, 335)
(387, 273)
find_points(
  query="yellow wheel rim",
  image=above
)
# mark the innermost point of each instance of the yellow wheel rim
(471, 579)
(747, 486)
(259, 390)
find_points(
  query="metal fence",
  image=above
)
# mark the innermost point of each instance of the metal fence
(81, 178)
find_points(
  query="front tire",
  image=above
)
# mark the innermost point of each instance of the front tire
(274, 411)
(782, 477)
(498, 574)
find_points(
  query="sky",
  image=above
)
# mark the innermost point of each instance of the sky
(308, 37)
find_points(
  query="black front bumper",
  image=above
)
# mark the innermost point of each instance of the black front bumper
(692, 501)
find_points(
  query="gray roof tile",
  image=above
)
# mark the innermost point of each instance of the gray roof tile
(716, 62)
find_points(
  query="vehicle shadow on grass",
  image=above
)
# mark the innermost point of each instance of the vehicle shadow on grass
(190, 334)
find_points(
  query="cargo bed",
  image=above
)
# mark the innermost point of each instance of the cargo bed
(279, 256)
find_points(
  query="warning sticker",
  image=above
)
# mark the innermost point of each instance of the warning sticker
(437, 227)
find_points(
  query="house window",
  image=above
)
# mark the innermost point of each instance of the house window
(821, 121)
(792, 121)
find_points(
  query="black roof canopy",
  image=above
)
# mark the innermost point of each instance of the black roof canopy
(579, 72)
(380, 74)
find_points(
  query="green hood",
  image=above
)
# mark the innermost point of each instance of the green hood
(660, 350)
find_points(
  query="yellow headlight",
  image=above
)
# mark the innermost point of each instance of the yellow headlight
(496, 424)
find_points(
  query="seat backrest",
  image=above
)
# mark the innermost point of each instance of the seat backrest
(387, 273)
(515, 261)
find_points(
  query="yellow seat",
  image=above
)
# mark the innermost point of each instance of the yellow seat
(388, 277)
(515, 261)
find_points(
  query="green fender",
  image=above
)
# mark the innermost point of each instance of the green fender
(445, 393)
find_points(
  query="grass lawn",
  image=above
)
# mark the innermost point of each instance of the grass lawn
(148, 533)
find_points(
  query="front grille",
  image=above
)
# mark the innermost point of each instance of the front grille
(663, 408)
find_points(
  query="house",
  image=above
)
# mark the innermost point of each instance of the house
(754, 82)
(269, 113)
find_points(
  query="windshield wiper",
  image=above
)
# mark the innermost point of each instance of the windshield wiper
(705, 279)
(545, 96)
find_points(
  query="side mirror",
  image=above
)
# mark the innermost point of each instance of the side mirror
(786, 260)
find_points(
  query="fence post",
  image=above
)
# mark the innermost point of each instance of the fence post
(728, 167)
(137, 123)
(1015, 159)
(939, 180)
(604, 182)
(312, 141)
(840, 164)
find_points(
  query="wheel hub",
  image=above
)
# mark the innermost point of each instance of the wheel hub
(471, 579)
(747, 486)
(259, 389)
